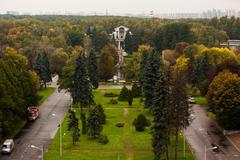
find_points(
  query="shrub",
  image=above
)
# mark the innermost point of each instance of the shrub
(120, 125)
(110, 94)
(123, 94)
(141, 122)
(103, 139)
(113, 101)
(136, 90)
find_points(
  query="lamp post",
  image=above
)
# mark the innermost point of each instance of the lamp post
(60, 128)
(40, 149)
(208, 149)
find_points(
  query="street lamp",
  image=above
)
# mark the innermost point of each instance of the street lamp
(60, 126)
(40, 149)
(208, 149)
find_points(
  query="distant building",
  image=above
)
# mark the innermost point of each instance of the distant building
(12, 13)
(232, 44)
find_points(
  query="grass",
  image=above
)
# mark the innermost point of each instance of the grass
(201, 101)
(45, 93)
(124, 143)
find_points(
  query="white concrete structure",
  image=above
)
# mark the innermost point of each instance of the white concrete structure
(232, 44)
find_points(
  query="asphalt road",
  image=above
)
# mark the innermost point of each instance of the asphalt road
(203, 131)
(40, 132)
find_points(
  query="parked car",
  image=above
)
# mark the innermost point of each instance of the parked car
(32, 113)
(191, 100)
(8, 146)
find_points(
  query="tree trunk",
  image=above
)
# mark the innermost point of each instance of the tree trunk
(176, 143)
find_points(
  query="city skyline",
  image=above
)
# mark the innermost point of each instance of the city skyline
(115, 8)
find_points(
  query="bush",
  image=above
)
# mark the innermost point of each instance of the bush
(141, 122)
(120, 125)
(103, 139)
(123, 94)
(113, 101)
(136, 90)
(110, 95)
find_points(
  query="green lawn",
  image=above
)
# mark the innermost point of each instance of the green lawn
(45, 93)
(124, 143)
(201, 101)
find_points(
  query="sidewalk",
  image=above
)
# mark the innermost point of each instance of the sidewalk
(235, 139)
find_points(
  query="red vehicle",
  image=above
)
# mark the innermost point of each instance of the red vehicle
(32, 113)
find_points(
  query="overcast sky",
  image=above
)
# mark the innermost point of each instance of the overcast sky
(114, 6)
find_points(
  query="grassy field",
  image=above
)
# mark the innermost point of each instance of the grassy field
(124, 143)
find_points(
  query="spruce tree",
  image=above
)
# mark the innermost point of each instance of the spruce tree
(130, 98)
(99, 107)
(82, 90)
(136, 90)
(93, 69)
(150, 77)
(123, 96)
(94, 123)
(160, 116)
(73, 127)
(42, 67)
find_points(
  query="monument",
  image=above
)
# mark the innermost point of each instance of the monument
(119, 36)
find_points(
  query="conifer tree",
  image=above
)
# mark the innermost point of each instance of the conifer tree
(42, 67)
(150, 77)
(99, 107)
(130, 98)
(94, 123)
(82, 90)
(123, 96)
(73, 126)
(160, 116)
(93, 69)
(136, 90)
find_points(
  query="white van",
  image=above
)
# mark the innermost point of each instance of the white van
(7, 146)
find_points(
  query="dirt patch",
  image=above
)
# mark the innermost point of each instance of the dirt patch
(127, 136)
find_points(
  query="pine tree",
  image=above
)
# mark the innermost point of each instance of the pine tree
(93, 69)
(136, 90)
(150, 77)
(94, 123)
(82, 90)
(73, 126)
(160, 116)
(123, 96)
(42, 67)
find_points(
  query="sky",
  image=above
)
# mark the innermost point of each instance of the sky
(117, 7)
